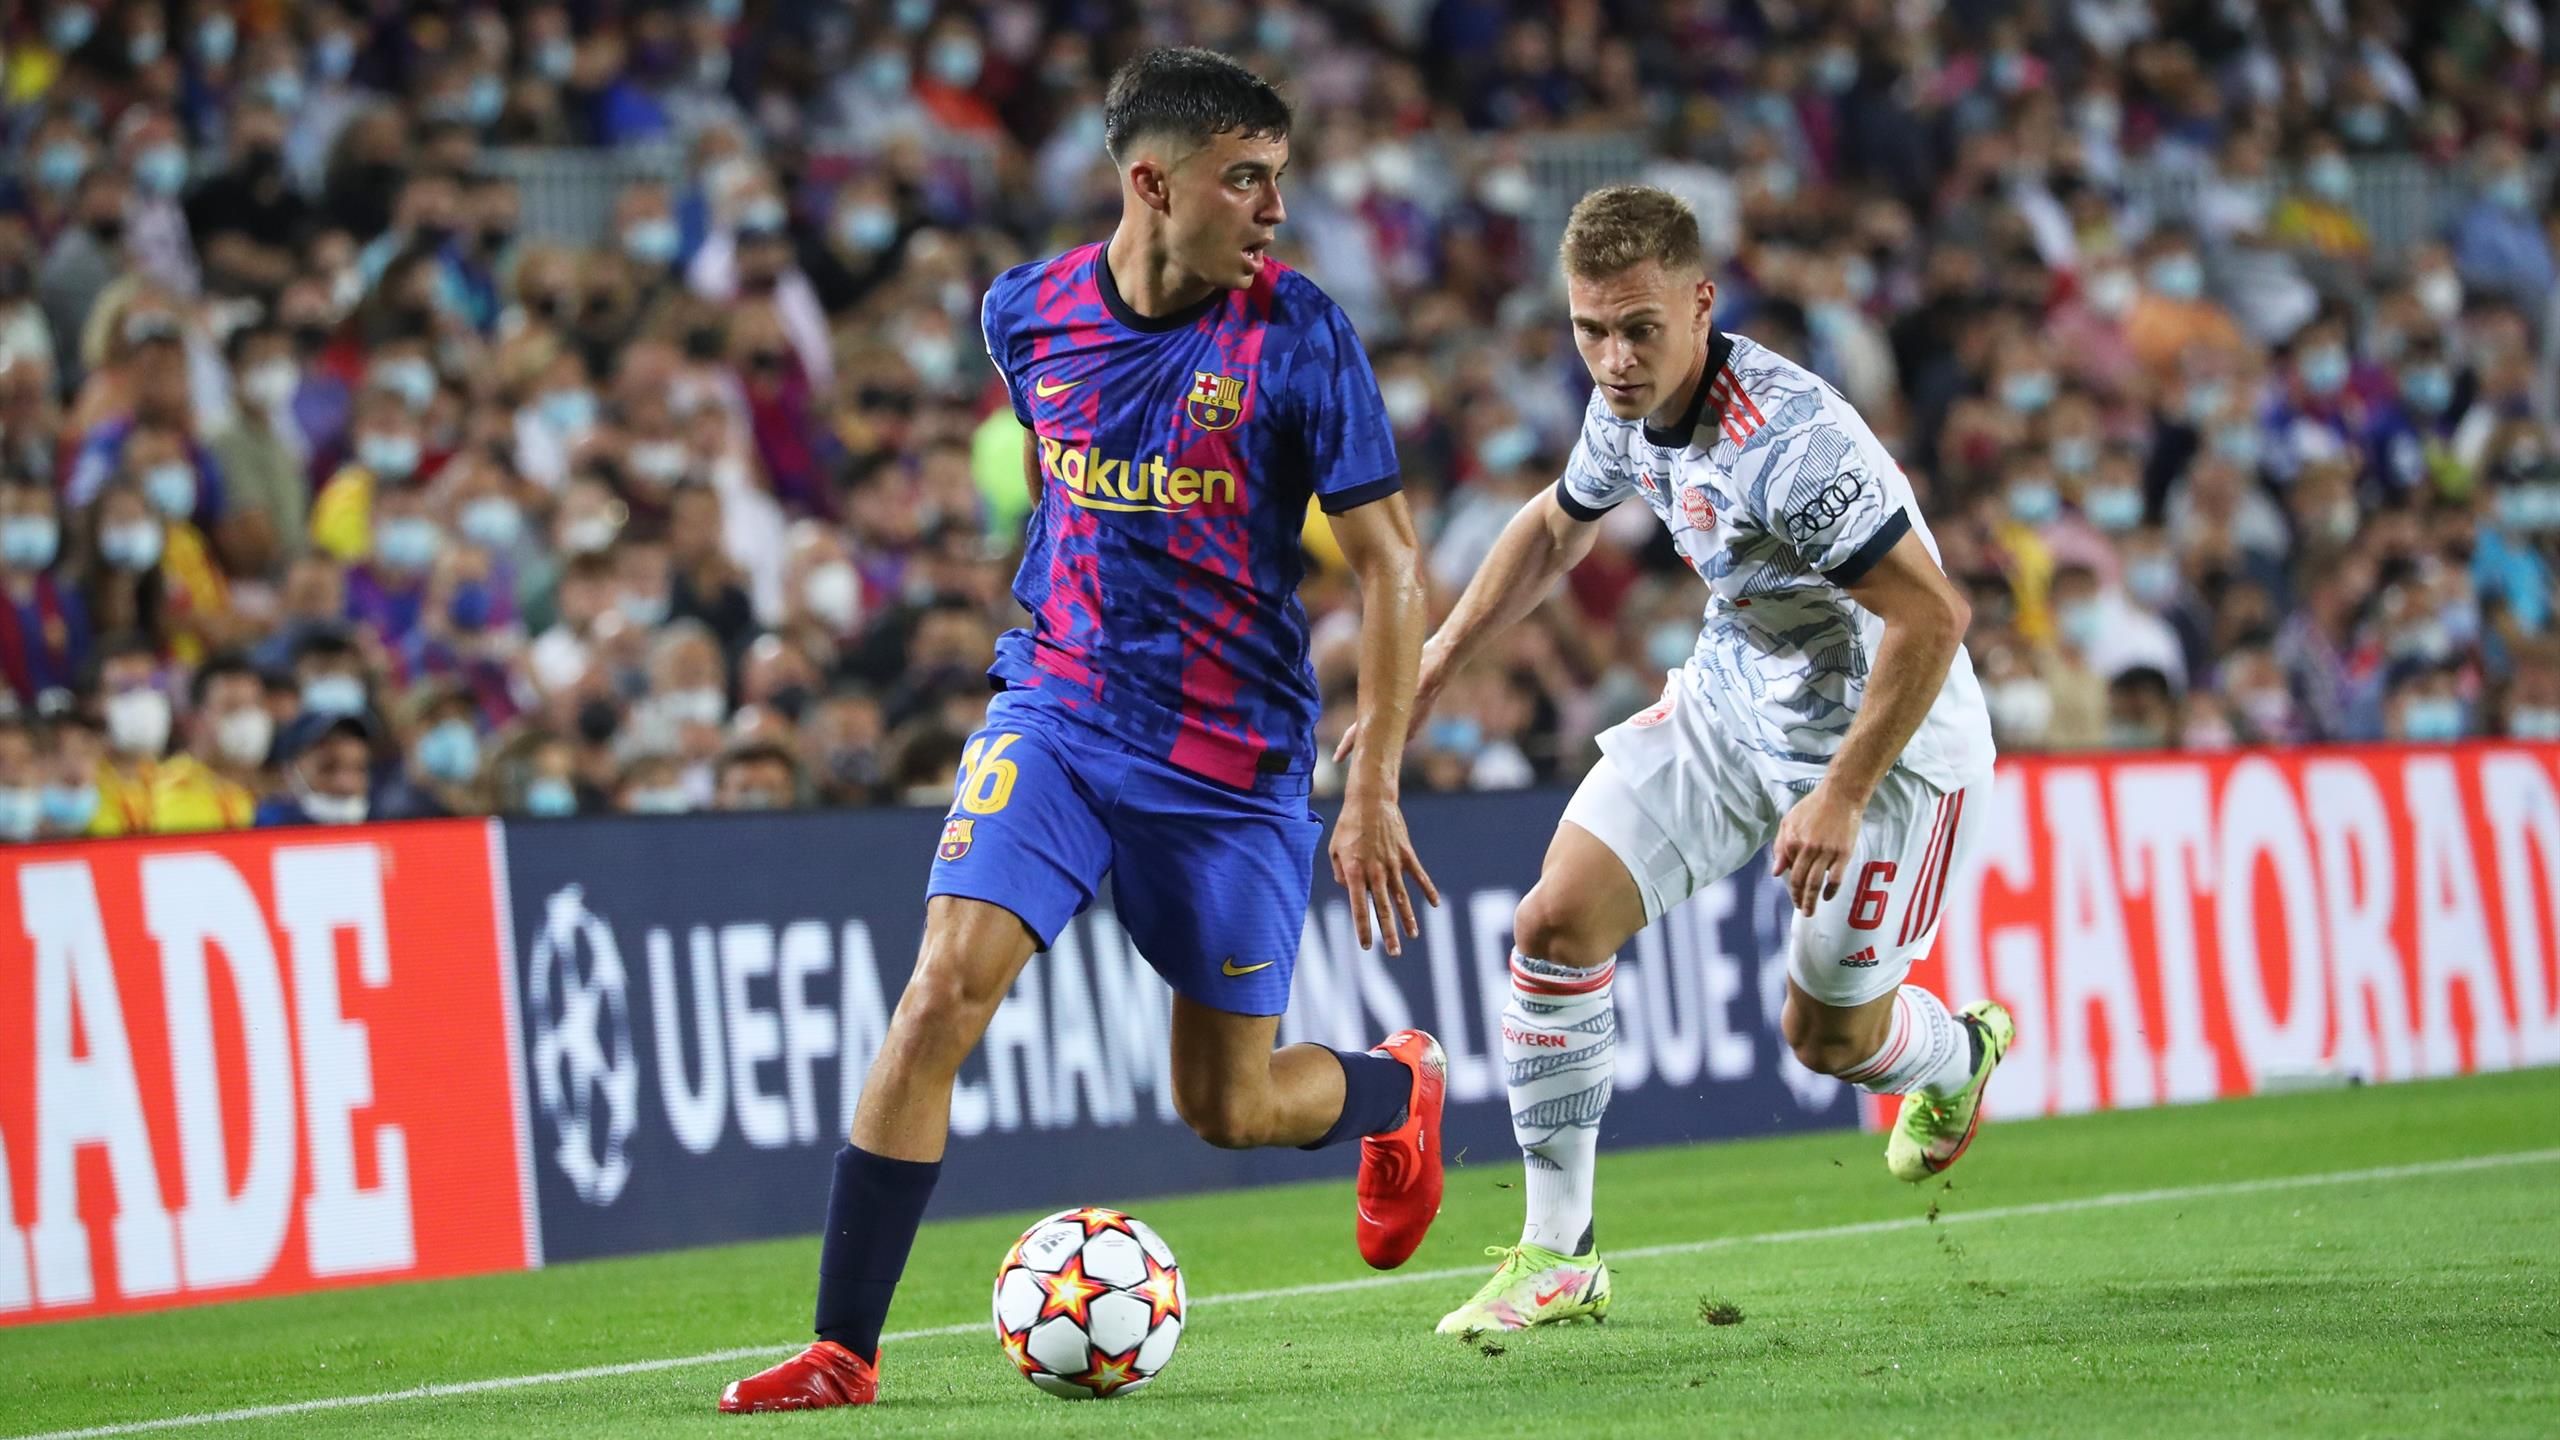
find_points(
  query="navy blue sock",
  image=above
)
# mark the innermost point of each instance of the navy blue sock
(872, 1214)
(1375, 1091)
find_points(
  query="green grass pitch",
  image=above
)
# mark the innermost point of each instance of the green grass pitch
(2048, 1296)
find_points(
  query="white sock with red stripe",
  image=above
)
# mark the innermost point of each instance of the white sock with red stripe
(1560, 1058)
(1927, 1049)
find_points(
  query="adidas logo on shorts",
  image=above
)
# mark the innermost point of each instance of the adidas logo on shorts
(1862, 959)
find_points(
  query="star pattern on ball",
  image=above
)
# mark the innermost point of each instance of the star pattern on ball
(1110, 1373)
(1069, 1293)
(1017, 1348)
(1096, 1220)
(1161, 1292)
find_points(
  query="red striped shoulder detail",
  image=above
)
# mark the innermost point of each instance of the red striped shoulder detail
(1740, 415)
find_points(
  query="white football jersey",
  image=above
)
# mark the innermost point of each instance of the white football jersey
(1779, 497)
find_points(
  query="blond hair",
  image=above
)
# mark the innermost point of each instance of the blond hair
(1619, 227)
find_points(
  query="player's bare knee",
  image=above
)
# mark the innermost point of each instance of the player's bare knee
(1546, 928)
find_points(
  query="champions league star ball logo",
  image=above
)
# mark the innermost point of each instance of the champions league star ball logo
(586, 1073)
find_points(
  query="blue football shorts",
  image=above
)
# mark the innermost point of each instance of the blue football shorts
(1210, 882)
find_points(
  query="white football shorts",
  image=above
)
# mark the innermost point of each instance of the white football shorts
(1681, 806)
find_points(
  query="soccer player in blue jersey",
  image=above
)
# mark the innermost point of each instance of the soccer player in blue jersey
(1185, 395)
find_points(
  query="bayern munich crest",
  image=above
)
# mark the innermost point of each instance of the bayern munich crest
(1701, 510)
(1216, 401)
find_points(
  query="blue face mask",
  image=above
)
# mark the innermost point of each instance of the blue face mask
(1457, 734)
(2027, 392)
(407, 544)
(283, 90)
(2237, 444)
(2033, 502)
(556, 57)
(70, 27)
(2075, 454)
(29, 542)
(1507, 447)
(2081, 624)
(486, 100)
(492, 522)
(2324, 370)
(651, 242)
(2178, 277)
(724, 11)
(162, 170)
(60, 165)
(334, 54)
(21, 812)
(549, 798)
(2114, 508)
(333, 695)
(867, 227)
(2152, 580)
(410, 378)
(570, 412)
(665, 800)
(217, 39)
(450, 752)
(389, 457)
(171, 488)
(70, 808)
(956, 62)
(2431, 719)
(2511, 191)
(2428, 387)
(2205, 401)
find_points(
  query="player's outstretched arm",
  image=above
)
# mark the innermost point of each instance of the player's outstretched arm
(1924, 623)
(1371, 852)
(1537, 548)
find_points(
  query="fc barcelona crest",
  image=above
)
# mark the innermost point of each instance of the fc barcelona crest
(1216, 401)
(956, 837)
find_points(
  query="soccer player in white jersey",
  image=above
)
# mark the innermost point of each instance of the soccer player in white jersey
(1828, 712)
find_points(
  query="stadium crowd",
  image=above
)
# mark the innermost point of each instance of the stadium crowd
(328, 491)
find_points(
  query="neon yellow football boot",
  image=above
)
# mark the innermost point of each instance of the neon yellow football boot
(1932, 1134)
(1534, 1286)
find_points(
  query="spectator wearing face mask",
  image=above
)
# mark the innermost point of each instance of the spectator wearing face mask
(387, 593)
(388, 450)
(44, 622)
(2422, 704)
(440, 772)
(21, 782)
(259, 454)
(2498, 242)
(155, 156)
(759, 775)
(328, 760)
(329, 675)
(538, 778)
(707, 585)
(2173, 314)
(214, 783)
(85, 258)
(652, 785)
(135, 714)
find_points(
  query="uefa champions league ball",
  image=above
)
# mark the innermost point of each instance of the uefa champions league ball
(1089, 1304)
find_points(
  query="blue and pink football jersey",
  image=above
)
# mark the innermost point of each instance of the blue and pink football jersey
(1177, 455)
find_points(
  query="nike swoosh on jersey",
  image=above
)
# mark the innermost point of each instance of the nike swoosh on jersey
(1044, 389)
(1231, 969)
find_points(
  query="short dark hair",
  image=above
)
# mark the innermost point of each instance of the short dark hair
(757, 752)
(1191, 94)
(228, 662)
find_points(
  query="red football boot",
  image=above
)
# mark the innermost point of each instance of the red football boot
(1400, 1171)
(824, 1375)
